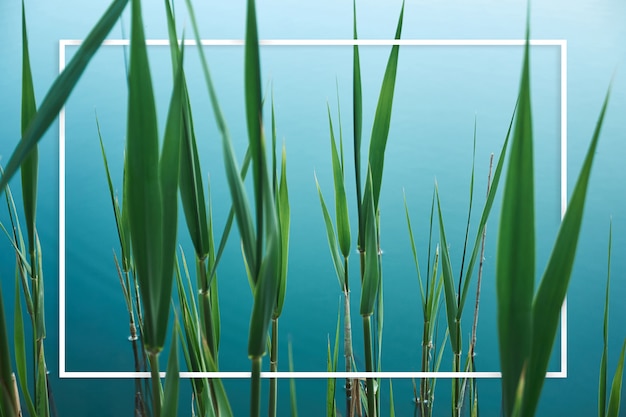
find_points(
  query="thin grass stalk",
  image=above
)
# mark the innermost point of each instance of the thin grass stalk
(273, 368)
(347, 337)
(369, 367)
(156, 383)
(255, 387)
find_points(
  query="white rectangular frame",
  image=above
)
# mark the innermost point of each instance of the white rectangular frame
(64, 43)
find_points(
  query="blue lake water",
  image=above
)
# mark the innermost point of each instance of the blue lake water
(440, 92)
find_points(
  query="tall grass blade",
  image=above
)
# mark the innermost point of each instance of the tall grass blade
(392, 408)
(19, 344)
(605, 335)
(616, 387)
(382, 118)
(332, 241)
(515, 266)
(61, 89)
(555, 280)
(284, 218)
(371, 275)
(8, 403)
(42, 405)
(30, 164)
(357, 120)
(341, 202)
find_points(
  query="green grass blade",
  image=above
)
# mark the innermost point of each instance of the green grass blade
(284, 218)
(332, 241)
(371, 276)
(293, 402)
(144, 190)
(341, 202)
(382, 118)
(357, 120)
(448, 280)
(30, 164)
(61, 89)
(392, 409)
(172, 378)
(41, 387)
(515, 266)
(254, 114)
(414, 251)
(7, 405)
(485, 215)
(616, 387)
(555, 280)
(605, 335)
(19, 344)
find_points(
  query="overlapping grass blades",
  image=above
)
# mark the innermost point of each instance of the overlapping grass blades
(61, 89)
(527, 323)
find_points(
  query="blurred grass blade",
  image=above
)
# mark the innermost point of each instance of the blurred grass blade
(341, 202)
(332, 241)
(30, 164)
(61, 89)
(7, 405)
(515, 266)
(382, 118)
(172, 378)
(616, 387)
(555, 280)
(448, 280)
(392, 409)
(605, 335)
(284, 218)
(293, 402)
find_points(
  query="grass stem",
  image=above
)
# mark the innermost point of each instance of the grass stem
(156, 383)
(273, 368)
(255, 387)
(369, 366)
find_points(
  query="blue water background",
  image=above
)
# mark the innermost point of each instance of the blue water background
(439, 93)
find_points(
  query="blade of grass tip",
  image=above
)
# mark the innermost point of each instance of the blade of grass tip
(340, 130)
(341, 202)
(254, 116)
(332, 241)
(274, 171)
(616, 387)
(414, 251)
(515, 266)
(172, 378)
(448, 281)
(61, 89)
(357, 120)
(555, 280)
(486, 211)
(19, 344)
(30, 164)
(605, 334)
(293, 402)
(284, 217)
(382, 117)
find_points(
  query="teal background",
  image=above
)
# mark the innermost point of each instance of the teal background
(439, 92)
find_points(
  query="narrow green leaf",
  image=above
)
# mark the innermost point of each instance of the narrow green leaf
(41, 386)
(284, 218)
(357, 103)
(144, 190)
(605, 335)
(293, 402)
(414, 251)
(341, 202)
(555, 280)
(172, 378)
(61, 89)
(332, 241)
(6, 385)
(392, 410)
(616, 387)
(19, 343)
(448, 280)
(30, 164)
(382, 118)
(371, 275)
(515, 266)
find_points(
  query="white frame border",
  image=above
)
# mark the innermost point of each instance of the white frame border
(63, 43)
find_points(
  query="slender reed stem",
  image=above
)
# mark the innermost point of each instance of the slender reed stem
(255, 388)
(347, 337)
(156, 383)
(205, 305)
(273, 368)
(424, 400)
(369, 366)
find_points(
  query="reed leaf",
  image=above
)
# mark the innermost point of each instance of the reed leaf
(7, 405)
(382, 117)
(61, 89)
(616, 387)
(605, 334)
(371, 275)
(284, 218)
(332, 241)
(19, 345)
(42, 406)
(414, 252)
(172, 378)
(341, 202)
(357, 121)
(29, 166)
(515, 266)
(392, 408)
